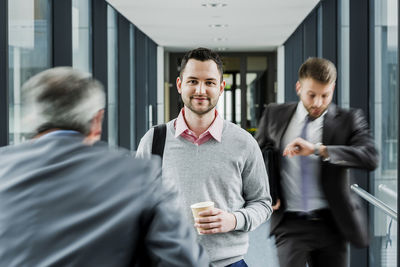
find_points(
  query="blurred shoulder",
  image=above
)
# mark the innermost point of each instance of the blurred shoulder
(123, 160)
(275, 107)
(354, 113)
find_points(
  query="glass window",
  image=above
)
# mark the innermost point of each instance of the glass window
(384, 124)
(238, 100)
(319, 31)
(81, 35)
(29, 52)
(225, 103)
(343, 80)
(221, 105)
(256, 93)
(231, 108)
(112, 88)
(132, 80)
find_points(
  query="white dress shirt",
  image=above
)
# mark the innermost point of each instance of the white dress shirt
(291, 168)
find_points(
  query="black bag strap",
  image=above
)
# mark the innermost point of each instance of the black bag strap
(160, 133)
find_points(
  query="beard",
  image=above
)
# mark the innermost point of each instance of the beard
(200, 109)
(313, 113)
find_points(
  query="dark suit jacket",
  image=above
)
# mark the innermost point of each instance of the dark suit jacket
(64, 203)
(346, 134)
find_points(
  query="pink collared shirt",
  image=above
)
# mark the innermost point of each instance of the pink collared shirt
(214, 131)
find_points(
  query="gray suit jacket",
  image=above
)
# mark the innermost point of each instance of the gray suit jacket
(346, 134)
(64, 203)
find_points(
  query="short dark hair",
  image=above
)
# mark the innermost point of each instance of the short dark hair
(202, 54)
(319, 69)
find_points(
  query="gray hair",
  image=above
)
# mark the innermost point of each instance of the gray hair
(61, 98)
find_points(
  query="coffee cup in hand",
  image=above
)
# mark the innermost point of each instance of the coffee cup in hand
(199, 207)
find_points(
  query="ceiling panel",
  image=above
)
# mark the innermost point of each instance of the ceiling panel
(252, 25)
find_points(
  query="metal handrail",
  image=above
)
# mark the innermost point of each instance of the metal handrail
(374, 201)
(389, 192)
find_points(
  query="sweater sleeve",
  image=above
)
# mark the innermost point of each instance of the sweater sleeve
(144, 148)
(257, 208)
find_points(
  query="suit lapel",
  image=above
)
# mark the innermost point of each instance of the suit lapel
(285, 118)
(329, 124)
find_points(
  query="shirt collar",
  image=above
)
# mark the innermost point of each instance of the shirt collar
(215, 128)
(180, 124)
(301, 111)
(61, 133)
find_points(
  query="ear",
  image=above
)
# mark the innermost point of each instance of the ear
(179, 85)
(333, 87)
(222, 87)
(95, 128)
(298, 87)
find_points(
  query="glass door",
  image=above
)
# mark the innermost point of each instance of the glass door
(246, 91)
(256, 90)
(229, 105)
(384, 125)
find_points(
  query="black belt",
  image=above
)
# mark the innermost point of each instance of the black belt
(314, 215)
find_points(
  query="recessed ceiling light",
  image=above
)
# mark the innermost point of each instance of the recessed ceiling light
(220, 39)
(214, 5)
(218, 25)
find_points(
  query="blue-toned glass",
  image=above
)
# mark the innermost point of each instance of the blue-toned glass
(343, 80)
(112, 86)
(29, 52)
(384, 124)
(81, 35)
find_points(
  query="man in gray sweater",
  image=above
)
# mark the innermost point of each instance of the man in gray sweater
(209, 159)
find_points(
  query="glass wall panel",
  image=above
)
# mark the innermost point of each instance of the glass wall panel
(29, 52)
(343, 80)
(225, 109)
(112, 88)
(221, 105)
(319, 31)
(252, 69)
(238, 105)
(132, 87)
(256, 82)
(81, 35)
(232, 95)
(384, 124)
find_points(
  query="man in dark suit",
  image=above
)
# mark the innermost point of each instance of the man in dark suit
(68, 200)
(316, 141)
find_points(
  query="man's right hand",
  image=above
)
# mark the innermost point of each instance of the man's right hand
(277, 205)
(215, 221)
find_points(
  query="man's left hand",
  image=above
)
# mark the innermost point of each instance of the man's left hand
(298, 147)
(215, 221)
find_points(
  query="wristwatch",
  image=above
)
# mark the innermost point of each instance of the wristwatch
(316, 149)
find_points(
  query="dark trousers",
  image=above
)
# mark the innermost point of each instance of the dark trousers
(240, 263)
(315, 241)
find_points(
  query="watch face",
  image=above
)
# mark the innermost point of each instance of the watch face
(316, 148)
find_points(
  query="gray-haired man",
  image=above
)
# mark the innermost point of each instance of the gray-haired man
(66, 202)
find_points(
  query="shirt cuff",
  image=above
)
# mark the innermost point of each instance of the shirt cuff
(240, 220)
(328, 158)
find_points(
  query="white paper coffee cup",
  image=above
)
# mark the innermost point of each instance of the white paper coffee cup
(199, 207)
